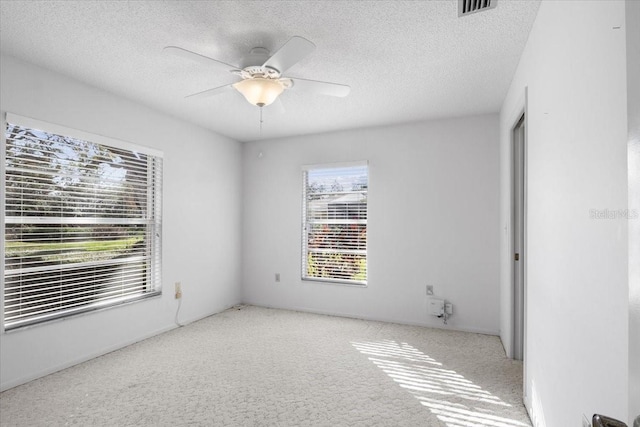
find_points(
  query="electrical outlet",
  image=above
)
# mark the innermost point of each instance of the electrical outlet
(277, 277)
(178, 290)
(429, 290)
(448, 308)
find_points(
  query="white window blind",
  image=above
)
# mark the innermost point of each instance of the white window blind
(82, 222)
(334, 246)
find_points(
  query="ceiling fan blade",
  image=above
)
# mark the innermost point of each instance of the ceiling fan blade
(210, 92)
(323, 88)
(184, 53)
(290, 54)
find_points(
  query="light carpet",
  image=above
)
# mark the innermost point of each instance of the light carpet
(253, 366)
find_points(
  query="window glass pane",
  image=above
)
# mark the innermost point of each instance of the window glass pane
(82, 225)
(335, 224)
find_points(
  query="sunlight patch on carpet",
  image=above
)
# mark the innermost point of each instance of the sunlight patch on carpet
(452, 398)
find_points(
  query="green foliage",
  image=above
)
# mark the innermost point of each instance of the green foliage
(71, 252)
(361, 275)
(337, 265)
(312, 266)
(53, 175)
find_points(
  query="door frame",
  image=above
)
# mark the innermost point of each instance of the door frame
(515, 309)
(518, 234)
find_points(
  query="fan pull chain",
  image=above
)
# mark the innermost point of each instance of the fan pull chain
(261, 121)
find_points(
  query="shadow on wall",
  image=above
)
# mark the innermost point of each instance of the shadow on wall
(452, 398)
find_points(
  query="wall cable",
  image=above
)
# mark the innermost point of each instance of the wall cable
(178, 311)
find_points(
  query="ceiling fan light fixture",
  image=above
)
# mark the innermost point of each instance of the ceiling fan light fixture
(259, 91)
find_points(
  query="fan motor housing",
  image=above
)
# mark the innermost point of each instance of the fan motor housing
(259, 71)
(256, 56)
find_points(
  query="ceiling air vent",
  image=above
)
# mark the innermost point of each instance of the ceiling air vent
(467, 7)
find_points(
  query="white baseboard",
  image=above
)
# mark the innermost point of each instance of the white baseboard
(375, 318)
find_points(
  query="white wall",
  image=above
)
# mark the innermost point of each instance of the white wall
(633, 114)
(433, 219)
(577, 280)
(201, 224)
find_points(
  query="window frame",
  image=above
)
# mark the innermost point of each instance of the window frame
(152, 282)
(305, 225)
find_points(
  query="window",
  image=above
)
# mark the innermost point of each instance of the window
(82, 222)
(334, 246)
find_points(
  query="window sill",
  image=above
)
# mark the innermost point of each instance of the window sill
(335, 282)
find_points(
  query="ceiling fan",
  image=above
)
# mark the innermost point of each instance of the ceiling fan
(261, 74)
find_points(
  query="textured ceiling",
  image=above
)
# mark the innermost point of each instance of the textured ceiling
(404, 60)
